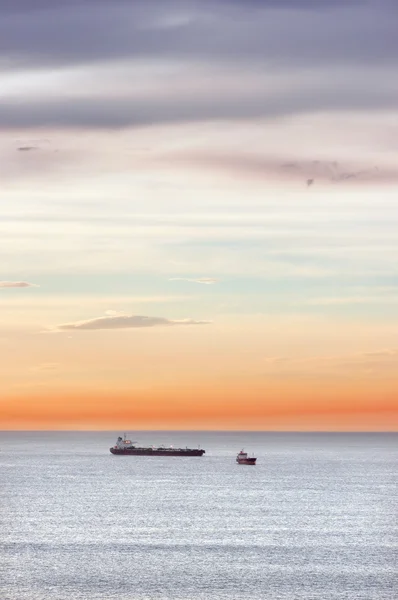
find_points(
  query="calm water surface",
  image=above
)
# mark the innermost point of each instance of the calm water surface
(316, 518)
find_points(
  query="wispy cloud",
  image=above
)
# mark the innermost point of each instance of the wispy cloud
(251, 164)
(360, 363)
(387, 353)
(110, 111)
(346, 300)
(274, 360)
(45, 367)
(27, 148)
(62, 301)
(126, 322)
(203, 280)
(16, 284)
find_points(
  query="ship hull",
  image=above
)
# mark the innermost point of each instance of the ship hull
(155, 452)
(246, 461)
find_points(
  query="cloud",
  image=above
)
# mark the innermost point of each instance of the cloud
(26, 6)
(16, 284)
(272, 360)
(62, 301)
(45, 367)
(387, 353)
(250, 164)
(281, 47)
(381, 363)
(76, 32)
(126, 322)
(109, 111)
(203, 280)
(347, 300)
(45, 162)
(358, 358)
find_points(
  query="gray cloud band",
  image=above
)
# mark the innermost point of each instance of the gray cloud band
(290, 32)
(123, 113)
(27, 6)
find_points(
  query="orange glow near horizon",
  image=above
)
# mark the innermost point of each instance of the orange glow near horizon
(292, 376)
(202, 409)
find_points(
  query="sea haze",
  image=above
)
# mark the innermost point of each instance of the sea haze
(315, 519)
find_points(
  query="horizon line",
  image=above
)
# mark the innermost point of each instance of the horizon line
(303, 431)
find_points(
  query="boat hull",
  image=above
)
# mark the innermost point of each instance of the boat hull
(246, 461)
(155, 452)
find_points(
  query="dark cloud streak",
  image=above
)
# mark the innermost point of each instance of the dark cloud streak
(251, 165)
(16, 284)
(111, 113)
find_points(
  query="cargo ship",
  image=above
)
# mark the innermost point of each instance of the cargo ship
(243, 459)
(127, 448)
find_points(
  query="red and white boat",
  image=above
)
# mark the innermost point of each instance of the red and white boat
(243, 459)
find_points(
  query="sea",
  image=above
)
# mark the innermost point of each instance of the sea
(315, 519)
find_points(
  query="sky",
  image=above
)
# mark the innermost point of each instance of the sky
(198, 214)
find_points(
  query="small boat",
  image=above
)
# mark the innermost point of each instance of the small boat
(243, 459)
